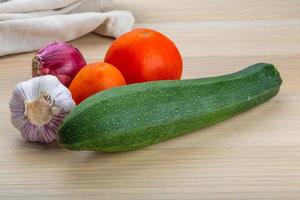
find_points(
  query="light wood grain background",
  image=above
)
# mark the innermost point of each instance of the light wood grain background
(255, 155)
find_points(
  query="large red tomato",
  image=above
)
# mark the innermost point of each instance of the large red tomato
(145, 55)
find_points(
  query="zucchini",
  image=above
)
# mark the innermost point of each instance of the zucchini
(137, 115)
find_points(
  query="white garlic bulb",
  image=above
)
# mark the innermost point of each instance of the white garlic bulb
(38, 107)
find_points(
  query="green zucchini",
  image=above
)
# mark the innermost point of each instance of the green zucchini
(137, 115)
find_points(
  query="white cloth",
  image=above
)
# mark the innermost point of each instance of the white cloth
(27, 25)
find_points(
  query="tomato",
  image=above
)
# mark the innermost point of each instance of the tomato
(93, 78)
(145, 55)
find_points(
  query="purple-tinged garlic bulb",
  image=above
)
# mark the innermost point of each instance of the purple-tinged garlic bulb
(38, 107)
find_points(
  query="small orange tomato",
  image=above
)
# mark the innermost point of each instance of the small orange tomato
(93, 78)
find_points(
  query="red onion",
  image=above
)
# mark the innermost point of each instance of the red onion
(59, 59)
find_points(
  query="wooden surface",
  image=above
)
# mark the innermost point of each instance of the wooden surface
(255, 155)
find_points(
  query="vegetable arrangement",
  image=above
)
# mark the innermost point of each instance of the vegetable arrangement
(111, 116)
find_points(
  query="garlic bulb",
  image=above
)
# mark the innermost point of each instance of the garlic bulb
(38, 107)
